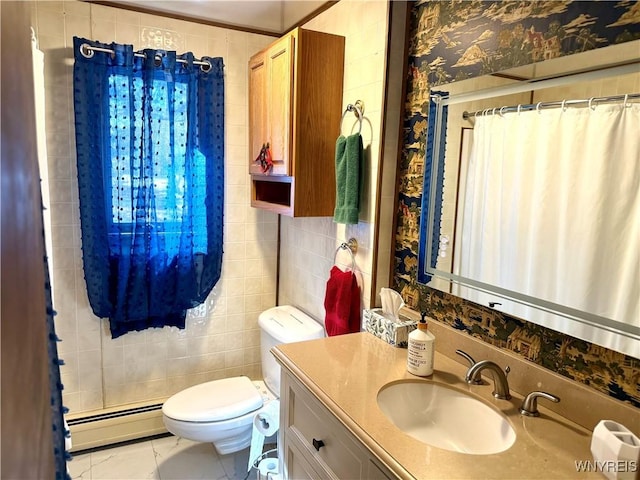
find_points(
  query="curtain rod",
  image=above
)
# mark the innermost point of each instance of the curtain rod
(564, 103)
(537, 84)
(87, 51)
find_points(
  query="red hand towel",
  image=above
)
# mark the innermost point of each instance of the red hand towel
(342, 303)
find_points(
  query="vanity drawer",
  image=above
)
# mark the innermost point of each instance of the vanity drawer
(298, 468)
(323, 436)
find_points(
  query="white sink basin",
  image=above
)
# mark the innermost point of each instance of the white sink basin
(446, 418)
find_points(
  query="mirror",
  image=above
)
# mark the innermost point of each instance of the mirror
(443, 255)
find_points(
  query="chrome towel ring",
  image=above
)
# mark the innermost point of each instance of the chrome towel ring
(358, 110)
(352, 247)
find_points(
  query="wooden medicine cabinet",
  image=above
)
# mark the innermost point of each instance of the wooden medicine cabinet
(295, 102)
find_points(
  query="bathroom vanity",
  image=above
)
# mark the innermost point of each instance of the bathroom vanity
(316, 445)
(333, 427)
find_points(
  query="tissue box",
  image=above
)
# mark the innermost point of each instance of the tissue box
(392, 332)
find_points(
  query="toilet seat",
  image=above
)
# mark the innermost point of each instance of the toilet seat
(215, 401)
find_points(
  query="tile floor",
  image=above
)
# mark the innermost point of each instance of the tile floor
(161, 459)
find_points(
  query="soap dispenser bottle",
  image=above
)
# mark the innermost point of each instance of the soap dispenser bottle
(421, 348)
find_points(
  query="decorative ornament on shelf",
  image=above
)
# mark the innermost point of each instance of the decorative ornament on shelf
(264, 159)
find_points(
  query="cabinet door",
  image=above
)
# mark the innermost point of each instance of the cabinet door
(257, 104)
(278, 108)
(331, 448)
(297, 466)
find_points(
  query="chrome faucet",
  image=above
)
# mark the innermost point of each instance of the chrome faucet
(529, 406)
(500, 383)
(477, 379)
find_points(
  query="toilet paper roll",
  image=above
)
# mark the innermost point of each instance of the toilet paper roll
(268, 469)
(265, 424)
(267, 420)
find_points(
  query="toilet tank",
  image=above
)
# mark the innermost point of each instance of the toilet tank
(284, 324)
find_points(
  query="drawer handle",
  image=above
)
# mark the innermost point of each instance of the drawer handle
(317, 444)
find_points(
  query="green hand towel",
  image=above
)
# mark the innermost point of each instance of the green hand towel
(348, 163)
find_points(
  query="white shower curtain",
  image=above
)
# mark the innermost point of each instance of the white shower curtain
(552, 208)
(41, 136)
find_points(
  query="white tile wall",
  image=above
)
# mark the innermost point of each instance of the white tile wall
(308, 244)
(222, 337)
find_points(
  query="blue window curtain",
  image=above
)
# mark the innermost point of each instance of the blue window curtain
(150, 156)
(432, 184)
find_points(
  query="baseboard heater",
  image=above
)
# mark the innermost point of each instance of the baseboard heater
(107, 428)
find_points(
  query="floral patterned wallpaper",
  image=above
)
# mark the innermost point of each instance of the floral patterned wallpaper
(455, 40)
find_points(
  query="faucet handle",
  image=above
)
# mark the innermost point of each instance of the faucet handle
(529, 406)
(477, 378)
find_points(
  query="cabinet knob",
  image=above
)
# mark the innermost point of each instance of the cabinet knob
(317, 444)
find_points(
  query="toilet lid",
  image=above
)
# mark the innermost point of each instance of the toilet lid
(214, 401)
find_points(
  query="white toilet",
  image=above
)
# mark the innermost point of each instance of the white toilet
(222, 411)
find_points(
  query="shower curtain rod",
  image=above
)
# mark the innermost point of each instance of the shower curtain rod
(590, 102)
(87, 51)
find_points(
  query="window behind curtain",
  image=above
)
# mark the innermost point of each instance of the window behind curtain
(168, 174)
(150, 147)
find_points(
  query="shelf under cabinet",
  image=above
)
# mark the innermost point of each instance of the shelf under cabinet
(273, 193)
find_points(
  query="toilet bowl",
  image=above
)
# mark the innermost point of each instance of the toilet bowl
(222, 411)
